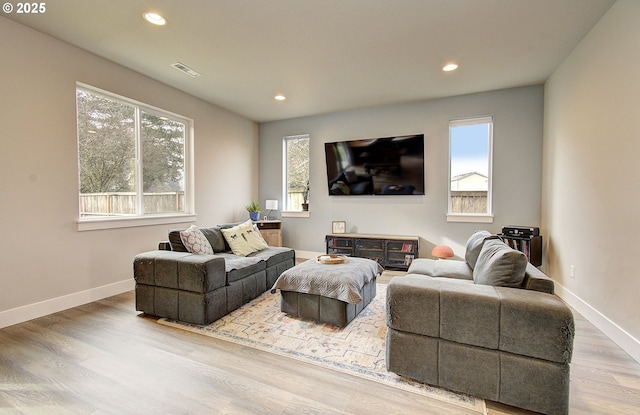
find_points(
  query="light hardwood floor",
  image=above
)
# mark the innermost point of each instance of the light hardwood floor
(105, 358)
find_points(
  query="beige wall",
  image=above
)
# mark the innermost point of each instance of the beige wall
(591, 170)
(45, 263)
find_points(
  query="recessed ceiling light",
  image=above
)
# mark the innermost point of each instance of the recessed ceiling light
(450, 67)
(279, 97)
(155, 18)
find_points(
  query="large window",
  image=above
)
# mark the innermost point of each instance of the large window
(470, 152)
(131, 158)
(296, 173)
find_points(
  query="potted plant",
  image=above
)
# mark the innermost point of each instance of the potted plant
(254, 210)
(305, 197)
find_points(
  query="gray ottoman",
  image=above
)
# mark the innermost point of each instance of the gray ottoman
(332, 294)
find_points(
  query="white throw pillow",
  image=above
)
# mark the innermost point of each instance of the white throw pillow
(244, 239)
(195, 241)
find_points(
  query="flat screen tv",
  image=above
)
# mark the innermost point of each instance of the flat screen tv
(376, 166)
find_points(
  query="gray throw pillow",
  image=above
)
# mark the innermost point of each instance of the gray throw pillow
(499, 265)
(176, 241)
(474, 245)
(215, 238)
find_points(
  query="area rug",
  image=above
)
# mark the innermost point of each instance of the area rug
(358, 349)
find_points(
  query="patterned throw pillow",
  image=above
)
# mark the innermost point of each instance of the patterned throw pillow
(244, 238)
(195, 241)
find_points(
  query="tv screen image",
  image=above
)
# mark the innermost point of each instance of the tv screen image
(376, 166)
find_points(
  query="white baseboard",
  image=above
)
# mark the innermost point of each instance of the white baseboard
(617, 334)
(622, 338)
(54, 305)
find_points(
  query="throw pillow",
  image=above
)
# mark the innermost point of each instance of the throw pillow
(499, 265)
(244, 239)
(474, 245)
(195, 241)
(215, 238)
(176, 241)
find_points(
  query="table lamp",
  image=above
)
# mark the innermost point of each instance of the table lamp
(442, 252)
(271, 205)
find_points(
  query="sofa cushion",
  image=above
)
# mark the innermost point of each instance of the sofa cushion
(413, 305)
(244, 239)
(477, 322)
(274, 255)
(536, 325)
(474, 245)
(441, 268)
(239, 267)
(195, 241)
(499, 265)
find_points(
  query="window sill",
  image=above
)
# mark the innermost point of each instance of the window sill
(471, 218)
(295, 214)
(92, 224)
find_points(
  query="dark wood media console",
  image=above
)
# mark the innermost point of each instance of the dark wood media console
(390, 251)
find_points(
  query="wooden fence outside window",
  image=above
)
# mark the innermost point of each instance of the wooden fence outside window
(468, 201)
(124, 203)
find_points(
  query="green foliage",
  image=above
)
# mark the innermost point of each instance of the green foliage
(305, 192)
(298, 164)
(107, 147)
(162, 154)
(106, 143)
(254, 206)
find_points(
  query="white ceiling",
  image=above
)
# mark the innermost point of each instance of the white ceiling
(327, 55)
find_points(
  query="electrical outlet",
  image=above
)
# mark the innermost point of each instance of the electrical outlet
(572, 271)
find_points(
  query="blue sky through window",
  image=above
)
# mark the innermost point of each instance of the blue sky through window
(470, 149)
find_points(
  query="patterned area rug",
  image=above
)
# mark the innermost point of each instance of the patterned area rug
(358, 349)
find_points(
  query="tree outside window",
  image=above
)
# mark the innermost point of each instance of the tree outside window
(131, 159)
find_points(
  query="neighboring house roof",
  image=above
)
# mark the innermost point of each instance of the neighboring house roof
(472, 181)
(465, 175)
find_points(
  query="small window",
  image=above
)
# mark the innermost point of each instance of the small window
(470, 154)
(296, 173)
(131, 158)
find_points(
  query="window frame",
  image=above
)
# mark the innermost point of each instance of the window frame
(486, 217)
(140, 218)
(287, 211)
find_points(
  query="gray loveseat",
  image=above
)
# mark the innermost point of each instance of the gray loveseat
(510, 341)
(201, 288)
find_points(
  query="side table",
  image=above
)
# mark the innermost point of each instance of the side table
(271, 231)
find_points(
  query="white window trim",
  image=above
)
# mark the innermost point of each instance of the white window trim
(111, 222)
(473, 217)
(295, 214)
(115, 222)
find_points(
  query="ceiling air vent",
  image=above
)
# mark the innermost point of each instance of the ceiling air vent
(184, 68)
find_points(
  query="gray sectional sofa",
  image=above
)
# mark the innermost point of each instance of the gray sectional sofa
(489, 326)
(200, 288)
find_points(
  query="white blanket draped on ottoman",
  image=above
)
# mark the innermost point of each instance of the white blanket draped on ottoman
(343, 282)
